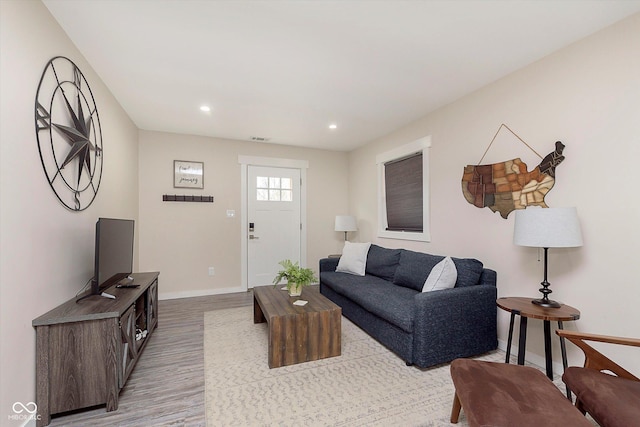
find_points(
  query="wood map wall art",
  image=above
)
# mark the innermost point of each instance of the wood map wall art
(507, 186)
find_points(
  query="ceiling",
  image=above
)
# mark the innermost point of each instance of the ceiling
(285, 70)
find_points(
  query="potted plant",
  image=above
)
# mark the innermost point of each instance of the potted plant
(296, 276)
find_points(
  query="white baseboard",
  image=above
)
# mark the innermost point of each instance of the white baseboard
(532, 358)
(198, 293)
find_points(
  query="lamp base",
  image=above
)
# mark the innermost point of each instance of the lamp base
(546, 303)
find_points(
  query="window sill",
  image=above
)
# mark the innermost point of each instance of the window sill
(404, 235)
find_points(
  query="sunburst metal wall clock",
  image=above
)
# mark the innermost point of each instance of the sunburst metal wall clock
(69, 134)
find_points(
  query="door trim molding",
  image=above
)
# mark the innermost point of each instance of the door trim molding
(245, 162)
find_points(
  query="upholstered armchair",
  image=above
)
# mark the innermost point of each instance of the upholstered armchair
(612, 400)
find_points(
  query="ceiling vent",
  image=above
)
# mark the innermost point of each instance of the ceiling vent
(260, 139)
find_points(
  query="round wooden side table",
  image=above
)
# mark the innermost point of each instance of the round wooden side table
(524, 308)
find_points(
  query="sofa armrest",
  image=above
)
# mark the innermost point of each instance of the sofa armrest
(457, 322)
(488, 277)
(329, 264)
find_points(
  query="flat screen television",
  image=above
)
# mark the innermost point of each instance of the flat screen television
(113, 253)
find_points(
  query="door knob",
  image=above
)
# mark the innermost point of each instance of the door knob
(252, 237)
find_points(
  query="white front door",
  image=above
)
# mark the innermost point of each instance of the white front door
(274, 225)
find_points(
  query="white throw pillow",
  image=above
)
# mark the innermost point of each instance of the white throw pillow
(354, 258)
(442, 276)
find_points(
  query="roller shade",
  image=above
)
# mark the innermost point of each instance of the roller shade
(403, 190)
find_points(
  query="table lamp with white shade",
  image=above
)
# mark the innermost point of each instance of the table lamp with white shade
(346, 223)
(547, 228)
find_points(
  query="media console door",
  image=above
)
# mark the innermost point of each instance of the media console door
(86, 351)
(127, 348)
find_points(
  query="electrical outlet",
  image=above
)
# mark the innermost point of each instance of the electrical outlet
(212, 271)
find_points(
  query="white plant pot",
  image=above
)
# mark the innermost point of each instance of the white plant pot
(295, 290)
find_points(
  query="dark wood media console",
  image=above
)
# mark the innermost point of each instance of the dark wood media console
(85, 351)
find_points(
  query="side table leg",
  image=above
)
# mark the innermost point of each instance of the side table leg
(522, 339)
(563, 349)
(547, 349)
(510, 339)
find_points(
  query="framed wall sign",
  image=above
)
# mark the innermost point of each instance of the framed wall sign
(188, 174)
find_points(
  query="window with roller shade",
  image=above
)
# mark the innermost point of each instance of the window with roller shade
(403, 191)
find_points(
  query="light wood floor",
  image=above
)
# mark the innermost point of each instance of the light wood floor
(166, 388)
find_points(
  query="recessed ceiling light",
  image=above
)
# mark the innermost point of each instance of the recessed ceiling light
(333, 126)
(205, 108)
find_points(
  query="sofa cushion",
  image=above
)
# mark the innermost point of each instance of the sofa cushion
(442, 276)
(469, 271)
(354, 258)
(382, 262)
(414, 269)
(378, 296)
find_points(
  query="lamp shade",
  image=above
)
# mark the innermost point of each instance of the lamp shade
(346, 223)
(547, 228)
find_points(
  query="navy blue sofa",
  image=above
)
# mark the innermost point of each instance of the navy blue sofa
(423, 329)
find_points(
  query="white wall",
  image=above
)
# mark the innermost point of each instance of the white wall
(586, 95)
(46, 251)
(181, 240)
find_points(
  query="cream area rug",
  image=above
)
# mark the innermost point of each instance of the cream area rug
(366, 386)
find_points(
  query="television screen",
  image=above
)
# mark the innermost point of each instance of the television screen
(113, 253)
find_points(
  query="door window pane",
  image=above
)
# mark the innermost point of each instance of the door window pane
(274, 189)
(262, 195)
(262, 182)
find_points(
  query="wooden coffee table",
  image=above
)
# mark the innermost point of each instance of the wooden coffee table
(298, 333)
